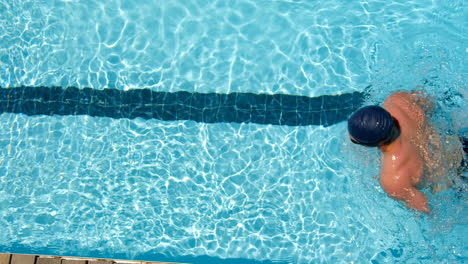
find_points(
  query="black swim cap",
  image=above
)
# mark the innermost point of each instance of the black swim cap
(370, 124)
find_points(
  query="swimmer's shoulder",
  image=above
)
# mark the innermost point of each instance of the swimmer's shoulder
(399, 98)
(402, 104)
(395, 176)
(395, 104)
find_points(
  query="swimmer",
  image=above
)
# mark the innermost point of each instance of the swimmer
(400, 130)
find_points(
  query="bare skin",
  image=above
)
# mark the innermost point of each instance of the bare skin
(404, 160)
(417, 158)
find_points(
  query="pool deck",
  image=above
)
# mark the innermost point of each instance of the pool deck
(8, 258)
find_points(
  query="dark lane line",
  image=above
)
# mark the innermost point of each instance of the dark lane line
(276, 109)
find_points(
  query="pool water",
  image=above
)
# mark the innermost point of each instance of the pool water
(184, 189)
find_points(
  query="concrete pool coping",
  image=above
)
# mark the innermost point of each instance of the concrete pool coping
(11, 258)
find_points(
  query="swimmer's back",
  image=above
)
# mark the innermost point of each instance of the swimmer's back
(403, 107)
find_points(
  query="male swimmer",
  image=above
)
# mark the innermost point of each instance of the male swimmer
(400, 130)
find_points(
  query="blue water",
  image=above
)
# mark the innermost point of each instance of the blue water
(223, 192)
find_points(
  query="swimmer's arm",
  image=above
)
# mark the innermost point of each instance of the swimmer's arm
(413, 198)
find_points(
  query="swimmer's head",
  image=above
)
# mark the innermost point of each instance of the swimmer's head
(373, 126)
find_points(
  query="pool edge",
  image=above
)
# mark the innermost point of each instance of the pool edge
(12, 258)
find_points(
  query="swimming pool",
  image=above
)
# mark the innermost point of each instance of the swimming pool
(206, 177)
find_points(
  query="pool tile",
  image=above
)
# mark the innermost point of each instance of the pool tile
(48, 260)
(73, 261)
(71, 95)
(274, 102)
(99, 262)
(276, 109)
(86, 96)
(227, 113)
(5, 258)
(316, 104)
(23, 259)
(158, 97)
(112, 97)
(183, 98)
